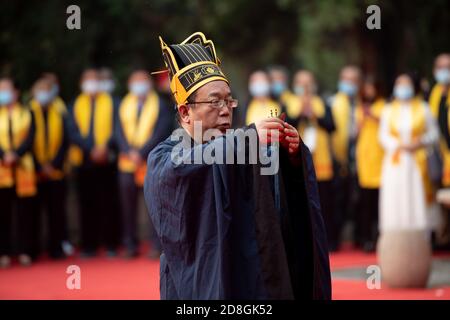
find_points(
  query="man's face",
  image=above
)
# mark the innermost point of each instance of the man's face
(211, 118)
(305, 81)
(139, 83)
(442, 69)
(349, 81)
(369, 91)
(277, 76)
(90, 82)
(7, 92)
(42, 86)
(52, 78)
(404, 80)
(278, 82)
(42, 92)
(106, 81)
(259, 85)
(442, 62)
(351, 75)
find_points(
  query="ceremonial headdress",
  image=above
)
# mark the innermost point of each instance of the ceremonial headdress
(191, 64)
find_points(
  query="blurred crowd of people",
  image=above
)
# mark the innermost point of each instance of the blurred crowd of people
(99, 141)
(379, 158)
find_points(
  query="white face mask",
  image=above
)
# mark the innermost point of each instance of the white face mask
(259, 89)
(90, 86)
(44, 97)
(442, 76)
(403, 92)
(347, 87)
(106, 86)
(140, 88)
(299, 90)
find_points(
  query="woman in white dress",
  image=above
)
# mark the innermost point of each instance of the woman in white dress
(407, 129)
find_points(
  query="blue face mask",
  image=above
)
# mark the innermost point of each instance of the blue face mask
(299, 90)
(259, 89)
(278, 88)
(403, 92)
(442, 75)
(140, 88)
(43, 97)
(6, 97)
(347, 87)
(106, 86)
(55, 90)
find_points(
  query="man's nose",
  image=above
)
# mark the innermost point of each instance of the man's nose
(224, 111)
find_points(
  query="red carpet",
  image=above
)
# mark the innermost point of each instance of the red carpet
(101, 278)
(106, 278)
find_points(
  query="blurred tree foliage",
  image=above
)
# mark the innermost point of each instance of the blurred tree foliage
(321, 35)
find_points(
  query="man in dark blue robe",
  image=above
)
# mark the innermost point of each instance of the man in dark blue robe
(227, 230)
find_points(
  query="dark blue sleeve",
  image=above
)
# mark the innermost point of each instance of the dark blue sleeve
(27, 144)
(113, 143)
(327, 121)
(162, 129)
(443, 120)
(177, 219)
(121, 141)
(74, 134)
(311, 246)
(58, 161)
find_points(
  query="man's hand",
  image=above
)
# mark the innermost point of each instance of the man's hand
(307, 111)
(291, 139)
(277, 130)
(270, 130)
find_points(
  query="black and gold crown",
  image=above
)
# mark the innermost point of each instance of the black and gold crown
(191, 64)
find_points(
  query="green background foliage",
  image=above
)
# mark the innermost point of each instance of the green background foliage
(320, 35)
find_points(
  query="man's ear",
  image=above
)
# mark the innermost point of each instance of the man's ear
(183, 111)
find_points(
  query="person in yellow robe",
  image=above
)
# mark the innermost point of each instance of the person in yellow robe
(92, 155)
(439, 101)
(407, 130)
(53, 79)
(369, 158)
(49, 151)
(343, 105)
(17, 176)
(143, 121)
(314, 122)
(261, 104)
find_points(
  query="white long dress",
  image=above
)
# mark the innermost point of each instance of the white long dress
(402, 193)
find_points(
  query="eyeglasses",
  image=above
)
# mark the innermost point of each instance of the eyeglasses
(219, 103)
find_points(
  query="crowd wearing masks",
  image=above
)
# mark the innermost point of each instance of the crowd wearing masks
(98, 143)
(372, 153)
